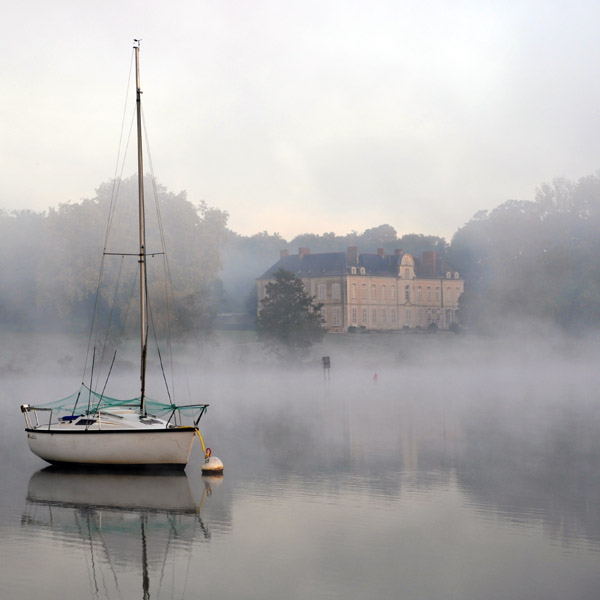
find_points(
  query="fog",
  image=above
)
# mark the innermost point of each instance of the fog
(459, 435)
(313, 108)
(527, 387)
(446, 465)
(413, 449)
(526, 265)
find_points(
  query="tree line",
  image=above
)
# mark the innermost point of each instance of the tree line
(523, 262)
(533, 262)
(50, 262)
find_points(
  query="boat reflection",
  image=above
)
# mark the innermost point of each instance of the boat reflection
(131, 526)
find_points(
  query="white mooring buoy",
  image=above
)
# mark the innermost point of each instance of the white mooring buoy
(212, 464)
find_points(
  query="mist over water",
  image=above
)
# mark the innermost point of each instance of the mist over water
(468, 468)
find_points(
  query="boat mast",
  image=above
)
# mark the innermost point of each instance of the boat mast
(142, 224)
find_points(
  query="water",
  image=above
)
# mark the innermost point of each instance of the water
(441, 481)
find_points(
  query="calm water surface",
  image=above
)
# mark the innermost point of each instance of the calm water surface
(468, 484)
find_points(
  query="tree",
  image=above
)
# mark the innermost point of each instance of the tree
(21, 245)
(533, 262)
(50, 262)
(289, 318)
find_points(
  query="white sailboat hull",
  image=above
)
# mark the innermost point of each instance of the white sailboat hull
(157, 447)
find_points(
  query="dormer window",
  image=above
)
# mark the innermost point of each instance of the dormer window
(362, 270)
(353, 270)
(448, 275)
(456, 275)
(406, 268)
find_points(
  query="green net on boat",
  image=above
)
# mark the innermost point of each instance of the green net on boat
(85, 400)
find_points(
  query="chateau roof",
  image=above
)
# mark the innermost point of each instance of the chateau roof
(329, 263)
(305, 264)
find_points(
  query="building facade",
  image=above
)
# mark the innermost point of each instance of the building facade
(375, 291)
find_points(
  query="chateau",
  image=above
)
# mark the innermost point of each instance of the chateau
(374, 291)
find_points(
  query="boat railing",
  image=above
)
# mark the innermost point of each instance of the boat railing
(26, 409)
(173, 419)
(177, 412)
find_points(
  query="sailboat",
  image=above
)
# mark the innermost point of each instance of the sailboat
(108, 432)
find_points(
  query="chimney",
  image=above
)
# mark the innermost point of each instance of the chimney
(283, 254)
(303, 252)
(429, 263)
(352, 256)
(398, 252)
(381, 252)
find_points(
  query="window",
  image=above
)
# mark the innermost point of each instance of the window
(354, 290)
(374, 317)
(364, 317)
(407, 317)
(448, 275)
(393, 292)
(420, 316)
(448, 295)
(383, 293)
(363, 291)
(362, 270)
(419, 294)
(336, 291)
(336, 316)
(383, 316)
(354, 316)
(407, 293)
(353, 270)
(448, 317)
(321, 291)
(428, 294)
(437, 294)
(406, 272)
(455, 275)
(373, 292)
(393, 316)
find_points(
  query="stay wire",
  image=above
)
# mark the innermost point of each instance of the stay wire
(114, 193)
(169, 294)
(118, 175)
(120, 333)
(160, 360)
(110, 316)
(101, 397)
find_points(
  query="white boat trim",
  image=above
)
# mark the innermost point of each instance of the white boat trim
(101, 447)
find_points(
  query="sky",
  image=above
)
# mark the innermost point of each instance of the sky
(297, 117)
